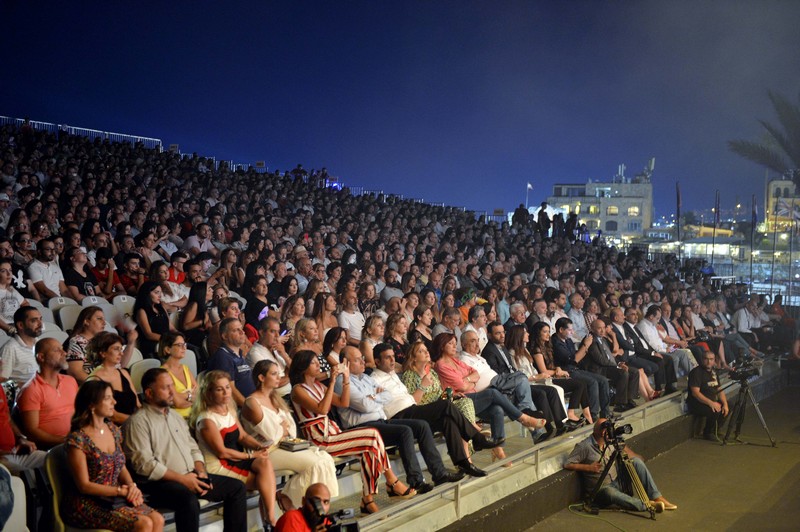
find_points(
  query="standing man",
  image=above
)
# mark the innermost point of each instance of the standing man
(169, 463)
(706, 398)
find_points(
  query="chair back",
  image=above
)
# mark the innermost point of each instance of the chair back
(68, 316)
(191, 362)
(138, 369)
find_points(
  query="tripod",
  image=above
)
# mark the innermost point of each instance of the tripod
(738, 412)
(629, 479)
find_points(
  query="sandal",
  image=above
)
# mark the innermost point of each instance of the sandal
(410, 492)
(369, 507)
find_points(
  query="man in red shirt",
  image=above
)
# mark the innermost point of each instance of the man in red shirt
(316, 504)
(16, 451)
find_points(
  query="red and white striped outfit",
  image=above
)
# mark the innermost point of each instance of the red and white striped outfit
(365, 442)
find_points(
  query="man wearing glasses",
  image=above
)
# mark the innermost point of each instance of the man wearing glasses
(46, 273)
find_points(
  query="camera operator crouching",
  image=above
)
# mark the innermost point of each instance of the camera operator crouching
(706, 398)
(589, 458)
(313, 515)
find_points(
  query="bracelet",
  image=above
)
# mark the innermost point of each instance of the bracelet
(118, 490)
(249, 453)
(347, 383)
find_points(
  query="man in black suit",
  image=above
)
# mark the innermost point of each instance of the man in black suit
(545, 398)
(664, 375)
(599, 359)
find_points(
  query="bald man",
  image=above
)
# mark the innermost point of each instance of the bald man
(46, 402)
(311, 515)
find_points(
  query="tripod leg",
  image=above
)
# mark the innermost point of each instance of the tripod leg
(740, 414)
(760, 416)
(733, 415)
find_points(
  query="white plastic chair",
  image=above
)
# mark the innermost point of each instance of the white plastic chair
(135, 357)
(190, 360)
(61, 336)
(49, 326)
(56, 303)
(68, 316)
(139, 368)
(124, 304)
(88, 301)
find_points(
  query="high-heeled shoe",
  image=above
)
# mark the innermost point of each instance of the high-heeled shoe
(410, 492)
(369, 507)
(533, 422)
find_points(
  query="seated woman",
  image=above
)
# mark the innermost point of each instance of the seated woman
(227, 449)
(195, 322)
(11, 298)
(80, 281)
(543, 360)
(91, 322)
(422, 325)
(106, 495)
(292, 311)
(424, 385)
(107, 348)
(172, 350)
(312, 403)
(396, 335)
(463, 379)
(151, 317)
(306, 338)
(256, 296)
(266, 416)
(371, 335)
(335, 340)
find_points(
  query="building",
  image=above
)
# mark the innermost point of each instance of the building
(622, 208)
(782, 201)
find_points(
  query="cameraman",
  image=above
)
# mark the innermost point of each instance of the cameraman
(312, 516)
(590, 456)
(706, 398)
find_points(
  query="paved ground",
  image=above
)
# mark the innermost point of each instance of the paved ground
(736, 487)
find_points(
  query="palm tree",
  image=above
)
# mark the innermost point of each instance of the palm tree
(780, 151)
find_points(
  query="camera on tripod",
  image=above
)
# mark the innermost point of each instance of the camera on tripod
(743, 368)
(341, 521)
(616, 434)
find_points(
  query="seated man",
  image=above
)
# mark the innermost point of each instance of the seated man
(366, 409)
(17, 359)
(706, 398)
(589, 458)
(169, 464)
(230, 358)
(47, 401)
(45, 272)
(513, 384)
(442, 416)
(316, 504)
(600, 360)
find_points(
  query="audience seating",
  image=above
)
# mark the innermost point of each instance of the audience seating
(68, 315)
(61, 482)
(139, 368)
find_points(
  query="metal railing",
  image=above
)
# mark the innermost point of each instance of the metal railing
(147, 142)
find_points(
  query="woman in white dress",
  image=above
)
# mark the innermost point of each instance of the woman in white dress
(266, 416)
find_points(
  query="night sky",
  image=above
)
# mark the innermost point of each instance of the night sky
(455, 102)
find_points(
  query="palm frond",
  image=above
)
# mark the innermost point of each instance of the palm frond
(789, 117)
(759, 154)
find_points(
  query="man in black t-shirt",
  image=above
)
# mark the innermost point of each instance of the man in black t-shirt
(706, 398)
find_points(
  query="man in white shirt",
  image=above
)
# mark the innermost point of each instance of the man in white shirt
(579, 327)
(17, 358)
(683, 358)
(45, 273)
(442, 415)
(351, 318)
(367, 400)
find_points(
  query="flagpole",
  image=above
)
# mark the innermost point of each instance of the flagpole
(774, 248)
(714, 233)
(791, 261)
(753, 220)
(527, 189)
(678, 218)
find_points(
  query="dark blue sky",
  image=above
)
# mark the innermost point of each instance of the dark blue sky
(460, 102)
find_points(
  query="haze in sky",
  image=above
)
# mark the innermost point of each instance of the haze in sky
(451, 101)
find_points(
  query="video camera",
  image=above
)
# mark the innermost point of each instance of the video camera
(341, 521)
(615, 434)
(743, 368)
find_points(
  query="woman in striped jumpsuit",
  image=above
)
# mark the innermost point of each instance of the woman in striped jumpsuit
(312, 402)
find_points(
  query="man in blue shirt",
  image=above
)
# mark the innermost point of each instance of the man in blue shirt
(367, 400)
(230, 358)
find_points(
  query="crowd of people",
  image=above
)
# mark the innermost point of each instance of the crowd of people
(354, 321)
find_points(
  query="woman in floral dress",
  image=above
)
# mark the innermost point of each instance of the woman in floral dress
(106, 496)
